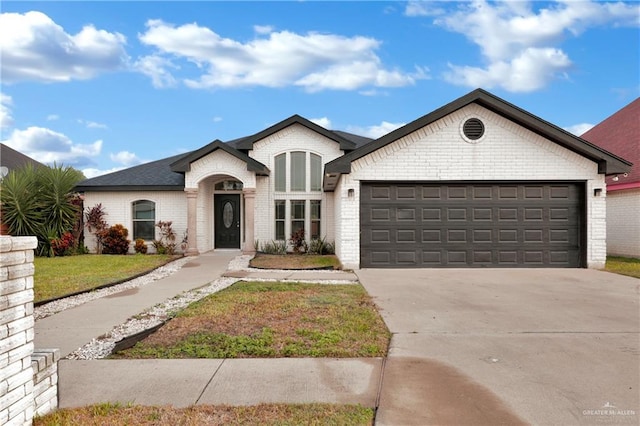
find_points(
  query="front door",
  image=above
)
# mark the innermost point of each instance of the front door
(227, 220)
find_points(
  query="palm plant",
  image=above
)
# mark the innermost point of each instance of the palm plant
(40, 201)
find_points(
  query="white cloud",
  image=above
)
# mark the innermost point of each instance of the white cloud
(375, 131)
(531, 70)
(579, 129)
(35, 48)
(93, 172)
(48, 146)
(125, 158)
(263, 29)
(423, 8)
(323, 121)
(53, 117)
(312, 61)
(520, 45)
(6, 119)
(217, 119)
(92, 124)
(155, 66)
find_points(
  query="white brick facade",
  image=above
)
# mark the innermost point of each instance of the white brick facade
(293, 138)
(170, 205)
(437, 152)
(623, 222)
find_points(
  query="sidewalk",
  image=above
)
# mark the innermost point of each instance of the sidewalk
(197, 381)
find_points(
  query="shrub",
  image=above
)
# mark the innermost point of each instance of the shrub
(298, 242)
(63, 246)
(321, 246)
(114, 240)
(140, 246)
(94, 218)
(274, 247)
(167, 242)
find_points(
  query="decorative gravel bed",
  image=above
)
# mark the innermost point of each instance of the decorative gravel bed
(102, 346)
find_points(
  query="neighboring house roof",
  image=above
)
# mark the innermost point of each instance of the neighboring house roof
(620, 134)
(183, 164)
(12, 159)
(156, 175)
(247, 143)
(607, 162)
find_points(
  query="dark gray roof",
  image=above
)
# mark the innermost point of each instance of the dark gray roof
(356, 139)
(247, 143)
(184, 164)
(12, 159)
(607, 162)
(156, 175)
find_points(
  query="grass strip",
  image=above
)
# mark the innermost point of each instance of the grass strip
(267, 319)
(623, 265)
(114, 414)
(60, 276)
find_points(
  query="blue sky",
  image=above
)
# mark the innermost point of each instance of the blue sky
(102, 86)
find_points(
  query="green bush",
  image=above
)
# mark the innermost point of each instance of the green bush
(274, 247)
(114, 240)
(321, 246)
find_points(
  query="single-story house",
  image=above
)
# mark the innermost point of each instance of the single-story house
(478, 182)
(620, 134)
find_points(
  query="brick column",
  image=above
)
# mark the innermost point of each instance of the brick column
(249, 220)
(192, 221)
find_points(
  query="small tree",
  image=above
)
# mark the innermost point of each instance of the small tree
(95, 223)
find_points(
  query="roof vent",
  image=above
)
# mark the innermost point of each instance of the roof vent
(473, 129)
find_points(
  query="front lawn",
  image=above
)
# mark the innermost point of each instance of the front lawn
(623, 265)
(295, 261)
(258, 319)
(265, 414)
(59, 276)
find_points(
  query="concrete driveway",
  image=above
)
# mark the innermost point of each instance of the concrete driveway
(511, 346)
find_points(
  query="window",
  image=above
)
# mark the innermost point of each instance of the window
(281, 172)
(280, 219)
(144, 219)
(316, 172)
(298, 171)
(315, 219)
(297, 215)
(229, 185)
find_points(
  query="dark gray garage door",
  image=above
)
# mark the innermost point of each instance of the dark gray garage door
(406, 225)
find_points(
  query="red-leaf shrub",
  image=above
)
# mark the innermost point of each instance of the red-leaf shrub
(64, 245)
(140, 246)
(114, 240)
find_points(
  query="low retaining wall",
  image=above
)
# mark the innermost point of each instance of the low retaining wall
(28, 380)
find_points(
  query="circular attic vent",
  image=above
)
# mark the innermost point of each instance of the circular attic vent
(473, 129)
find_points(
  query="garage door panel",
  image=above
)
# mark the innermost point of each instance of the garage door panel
(471, 225)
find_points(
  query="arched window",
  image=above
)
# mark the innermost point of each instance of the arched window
(144, 219)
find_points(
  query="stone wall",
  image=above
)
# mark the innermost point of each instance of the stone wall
(20, 399)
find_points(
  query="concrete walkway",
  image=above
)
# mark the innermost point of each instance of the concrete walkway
(197, 381)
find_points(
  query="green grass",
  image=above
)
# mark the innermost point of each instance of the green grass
(257, 319)
(114, 414)
(624, 266)
(59, 276)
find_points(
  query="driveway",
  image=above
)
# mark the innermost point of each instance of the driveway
(508, 346)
